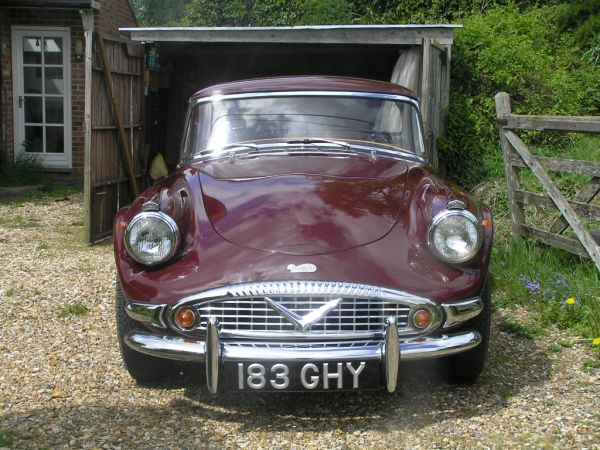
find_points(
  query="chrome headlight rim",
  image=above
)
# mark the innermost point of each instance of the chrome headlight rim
(157, 215)
(438, 218)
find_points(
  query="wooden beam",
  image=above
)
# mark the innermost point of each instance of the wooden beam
(555, 240)
(589, 124)
(586, 195)
(517, 218)
(544, 201)
(118, 118)
(581, 167)
(559, 200)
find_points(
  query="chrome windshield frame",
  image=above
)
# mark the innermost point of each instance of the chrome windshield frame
(393, 97)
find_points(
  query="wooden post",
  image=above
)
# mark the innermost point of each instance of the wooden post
(118, 118)
(87, 18)
(426, 96)
(503, 111)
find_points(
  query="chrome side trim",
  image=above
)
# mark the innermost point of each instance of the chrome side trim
(146, 313)
(460, 311)
(183, 349)
(390, 352)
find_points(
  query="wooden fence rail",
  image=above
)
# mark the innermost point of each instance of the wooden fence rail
(517, 156)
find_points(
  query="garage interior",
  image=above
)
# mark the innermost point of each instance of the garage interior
(177, 62)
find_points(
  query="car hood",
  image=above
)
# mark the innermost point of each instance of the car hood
(303, 205)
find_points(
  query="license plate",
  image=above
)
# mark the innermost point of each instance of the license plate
(301, 376)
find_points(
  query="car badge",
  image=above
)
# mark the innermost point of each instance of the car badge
(303, 323)
(302, 268)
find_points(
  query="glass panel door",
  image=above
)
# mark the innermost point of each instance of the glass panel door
(43, 108)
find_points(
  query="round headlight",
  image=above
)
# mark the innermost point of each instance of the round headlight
(151, 237)
(455, 236)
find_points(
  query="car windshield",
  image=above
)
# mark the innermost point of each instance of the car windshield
(266, 121)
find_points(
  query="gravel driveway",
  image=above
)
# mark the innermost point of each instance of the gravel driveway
(62, 384)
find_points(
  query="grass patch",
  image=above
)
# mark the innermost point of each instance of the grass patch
(51, 193)
(78, 308)
(19, 222)
(561, 288)
(527, 331)
(554, 349)
(7, 438)
(591, 365)
(10, 292)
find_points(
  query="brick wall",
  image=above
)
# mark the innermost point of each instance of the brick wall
(112, 15)
(45, 18)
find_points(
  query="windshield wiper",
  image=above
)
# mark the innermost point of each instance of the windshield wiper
(217, 151)
(308, 141)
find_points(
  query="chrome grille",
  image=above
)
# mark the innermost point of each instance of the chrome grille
(353, 315)
(309, 344)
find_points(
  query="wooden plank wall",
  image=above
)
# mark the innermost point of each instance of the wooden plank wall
(110, 187)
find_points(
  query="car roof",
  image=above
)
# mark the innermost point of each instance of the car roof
(304, 83)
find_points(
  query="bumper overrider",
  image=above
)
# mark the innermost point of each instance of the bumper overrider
(325, 334)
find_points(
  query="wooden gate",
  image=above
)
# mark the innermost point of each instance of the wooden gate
(117, 160)
(516, 155)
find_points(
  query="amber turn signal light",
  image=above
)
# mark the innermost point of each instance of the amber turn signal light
(185, 318)
(422, 319)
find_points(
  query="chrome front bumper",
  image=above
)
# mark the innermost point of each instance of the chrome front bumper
(213, 351)
(391, 342)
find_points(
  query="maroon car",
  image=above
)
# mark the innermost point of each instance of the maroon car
(303, 243)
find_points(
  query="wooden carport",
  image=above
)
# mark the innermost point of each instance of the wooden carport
(415, 56)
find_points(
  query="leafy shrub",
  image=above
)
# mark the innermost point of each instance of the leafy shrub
(430, 11)
(25, 170)
(583, 18)
(267, 12)
(521, 53)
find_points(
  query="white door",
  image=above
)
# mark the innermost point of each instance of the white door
(42, 86)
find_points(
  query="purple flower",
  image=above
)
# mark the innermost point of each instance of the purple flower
(533, 286)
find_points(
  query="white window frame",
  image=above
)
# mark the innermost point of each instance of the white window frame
(50, 161)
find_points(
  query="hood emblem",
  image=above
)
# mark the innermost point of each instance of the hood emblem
(302, 268)
(303, 323)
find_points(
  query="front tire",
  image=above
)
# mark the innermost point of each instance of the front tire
(465, 367)
(143, 368)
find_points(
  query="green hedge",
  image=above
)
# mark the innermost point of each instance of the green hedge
(526, 54)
